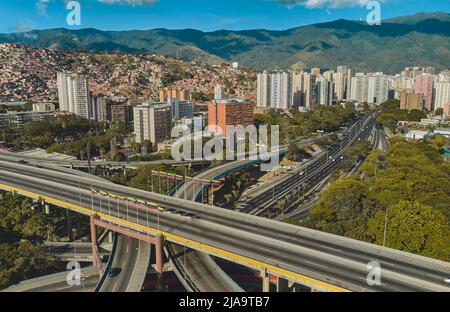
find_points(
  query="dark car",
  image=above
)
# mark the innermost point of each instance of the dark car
(23, 162)
(114, 272)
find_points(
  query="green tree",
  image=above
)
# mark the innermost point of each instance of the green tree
(439, 111)
(413, 227)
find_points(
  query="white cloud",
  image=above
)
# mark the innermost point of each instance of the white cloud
(326, 3)
(41, 6)
(130, 2)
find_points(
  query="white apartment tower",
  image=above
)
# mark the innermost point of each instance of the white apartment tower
(359, 88)
(218, 92)
(442, 96)
(263, 90)
(63, 92)
(377, 89)
(281, 91)
(74, 96)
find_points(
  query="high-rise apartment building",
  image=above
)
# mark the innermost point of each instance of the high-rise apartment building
(298, 86)
(413, 72)
(348, 87)
(152, 122)
(309, 98)
(315, 71)
(167, 93)
(74, 96)
(281, 91)
(359, 88)
(377, 88)
(411, 100)
(100, 109)
(263, 90)
(63, 92)
(324, 91)
(442, 96)
(181, 109)
(218, 92)
(424, 84)
(229, 112)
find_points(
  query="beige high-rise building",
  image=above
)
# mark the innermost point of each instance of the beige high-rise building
(152, 122)
(339, 80)
(297, 90)
(167, 94)
(411, 100)
(315, 71)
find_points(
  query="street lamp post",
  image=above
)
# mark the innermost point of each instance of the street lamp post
(385, 228)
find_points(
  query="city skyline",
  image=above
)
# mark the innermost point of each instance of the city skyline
(22, 16)
(309, 160)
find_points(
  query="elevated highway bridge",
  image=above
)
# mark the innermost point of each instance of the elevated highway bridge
(315, 259)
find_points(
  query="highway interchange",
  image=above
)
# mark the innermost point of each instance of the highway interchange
(320, 260)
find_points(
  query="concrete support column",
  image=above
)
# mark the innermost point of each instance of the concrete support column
(211, 196)
(47, 209)
(282, 285)
(94, 242)
(266, 281)
(159, 254)
(110, 237)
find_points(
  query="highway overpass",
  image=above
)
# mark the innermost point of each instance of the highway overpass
(315, 259)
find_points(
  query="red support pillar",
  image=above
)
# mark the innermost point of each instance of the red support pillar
(94, 242)
(159, 254)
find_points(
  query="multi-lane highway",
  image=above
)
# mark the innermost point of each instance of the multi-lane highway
(316, 259)
(131, 258)
(84, 163)
(198, 271)
(58, 282)
(264, 201)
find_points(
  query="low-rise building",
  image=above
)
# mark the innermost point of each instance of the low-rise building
(21, 118)
(43, 107)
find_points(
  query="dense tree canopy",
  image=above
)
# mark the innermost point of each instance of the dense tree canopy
(412, 185)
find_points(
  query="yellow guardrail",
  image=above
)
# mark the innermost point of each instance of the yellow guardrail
(181, 240)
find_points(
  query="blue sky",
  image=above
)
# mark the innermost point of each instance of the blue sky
(207, 15)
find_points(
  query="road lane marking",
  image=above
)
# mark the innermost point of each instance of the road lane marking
(179, 239)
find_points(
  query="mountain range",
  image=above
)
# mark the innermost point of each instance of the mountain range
(422, 39)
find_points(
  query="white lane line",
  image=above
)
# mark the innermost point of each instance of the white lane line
(438, 277)
(63, 288)
(114, 288)
(316, 265)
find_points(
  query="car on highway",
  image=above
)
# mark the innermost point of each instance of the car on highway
(23, 162)
(113, 272)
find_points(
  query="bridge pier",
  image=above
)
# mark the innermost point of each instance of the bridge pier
(94, 240)
(47, 209)
(159, 254)
(211, 196)
(265, 280)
